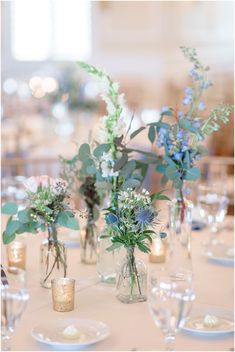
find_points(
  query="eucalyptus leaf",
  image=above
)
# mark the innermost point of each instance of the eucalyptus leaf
(120, 162)
(73, 224)
(131, 183)
(24, 216)
(9, 208)
(128, 168)
(100, 149)
(152, 134)
(84, 151)
(171, 172)
(12, 227)
(192, 174)
(177, 183)
(7, 238)
(135, 133)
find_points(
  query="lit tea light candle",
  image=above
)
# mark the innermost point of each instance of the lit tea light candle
(63, 294)
(16, 255)
(158, 251)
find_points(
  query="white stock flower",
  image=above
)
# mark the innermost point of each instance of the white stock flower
(107, 164)
(109, 104)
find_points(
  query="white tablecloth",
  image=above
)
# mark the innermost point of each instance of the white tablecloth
(131, 324)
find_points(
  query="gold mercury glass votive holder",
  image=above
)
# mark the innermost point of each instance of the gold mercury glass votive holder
(16, 255)
(63, 294)
(158, 251)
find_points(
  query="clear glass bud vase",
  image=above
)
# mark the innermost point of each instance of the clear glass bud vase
(107, 261)
(131, 282)
(53, 263)
(88, 242)
(180, 224)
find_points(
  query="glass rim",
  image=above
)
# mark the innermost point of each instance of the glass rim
(18, 244)
(63, 280)
(174, 204)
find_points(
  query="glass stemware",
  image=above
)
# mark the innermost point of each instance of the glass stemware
(170, 298)
(14, 298)
(213, 205)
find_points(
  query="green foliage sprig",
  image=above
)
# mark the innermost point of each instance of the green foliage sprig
(48, 205)
(132, 223)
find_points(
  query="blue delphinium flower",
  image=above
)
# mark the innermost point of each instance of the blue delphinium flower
(195, 75)
(188, 91)
(111, 219)
(144, 217)
(180, 114)
(161, 137)
(177, 156)
(187, 99)
(184, 146)
(205, 85)
(201, 106)
(180, 134)
(197, 156)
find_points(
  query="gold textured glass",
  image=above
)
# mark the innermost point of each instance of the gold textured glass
(63, 294)
(16, 255)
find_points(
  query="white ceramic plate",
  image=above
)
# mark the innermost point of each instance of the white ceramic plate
(221, 254)
(51, 333)
(194, 324)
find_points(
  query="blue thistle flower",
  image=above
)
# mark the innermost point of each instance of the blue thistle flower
(144, 217)
(111, 219)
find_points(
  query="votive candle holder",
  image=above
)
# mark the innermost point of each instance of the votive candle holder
(158, 251)
(16, 255)
(63, 294)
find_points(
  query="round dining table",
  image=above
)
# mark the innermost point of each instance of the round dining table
(131, 325)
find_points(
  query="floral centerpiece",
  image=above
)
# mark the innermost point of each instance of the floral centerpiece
(74, 172)
(49, 207)
(131, 225)
(108, 160)
(183, 130)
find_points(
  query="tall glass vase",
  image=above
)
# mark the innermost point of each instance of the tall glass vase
(131, 283)
(107, 261)
(180, 223)
(53, 262)
(88, 241)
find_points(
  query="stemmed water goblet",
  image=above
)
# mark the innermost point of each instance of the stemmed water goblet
(213, 204)
(170, 299)
(14, 297)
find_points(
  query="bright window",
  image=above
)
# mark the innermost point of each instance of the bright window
(49, 29)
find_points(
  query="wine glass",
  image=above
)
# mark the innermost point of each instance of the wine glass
(213, 204)
(170, 301)
(14, 297)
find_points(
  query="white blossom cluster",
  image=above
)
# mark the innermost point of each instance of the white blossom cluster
(113, 124)
(131, 199)
(107, 165)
